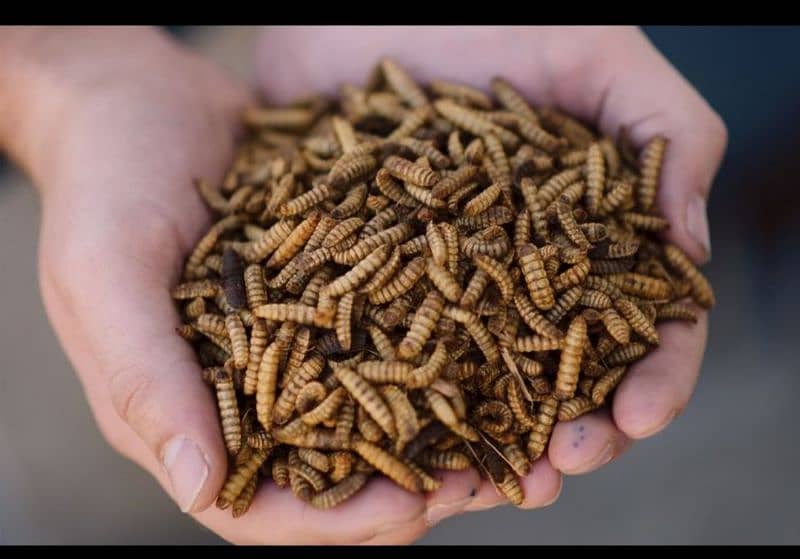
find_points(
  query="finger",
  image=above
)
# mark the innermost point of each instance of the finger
(151, 376)
(585, 444)
(457, 491)
(658, 388)
(541, 488)
(381, 511)
(611, 76)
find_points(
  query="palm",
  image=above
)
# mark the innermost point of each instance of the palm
(612, 77)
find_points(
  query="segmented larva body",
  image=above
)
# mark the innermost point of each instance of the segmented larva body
(383, 372)
(575, 407)
(645, 222)
(675, 311)
(570, 364)
(403, 281)
(535, 321)
(511, 99)
(564, 304)
(266, 385)
(532, 266)
(427, 373)
(269, 241)
(403, 84)
(595, 178)
(498, 273)
(228, 411)
(405, 416)
(366, 395)
(392, 467)
(540, 433)
(411, 172)
(308, 371)
(625, 354)
(237, 481)
(606, 383)
(289, 312)
(701, 289)
(574, 275)
(422, 325)
(444, 281)
(238, 336)
(473, 122)
(651, 162)
(637, 320)
(617, 327)
(339, 493)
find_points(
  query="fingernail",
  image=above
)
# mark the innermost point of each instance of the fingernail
(437, 513)
(187, 468)
(697, 223)
(660, 425)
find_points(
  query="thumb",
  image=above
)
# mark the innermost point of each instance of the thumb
(110, 304)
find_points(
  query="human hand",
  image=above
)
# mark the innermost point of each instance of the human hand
(113, 125)
(608, 76)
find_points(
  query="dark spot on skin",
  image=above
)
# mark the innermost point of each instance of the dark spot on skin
(582, 437)
(575, 444)
(581, 428)
(473, 492)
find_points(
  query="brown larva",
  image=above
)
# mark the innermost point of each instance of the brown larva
(401, 283)
(637, 320)
(575, 407)
(570, 363)
(700, 287)
(366, 395)
(652, 159)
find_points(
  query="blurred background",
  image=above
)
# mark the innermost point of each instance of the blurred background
(724, 472)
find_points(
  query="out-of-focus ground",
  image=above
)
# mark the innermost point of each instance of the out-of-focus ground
(725, 472)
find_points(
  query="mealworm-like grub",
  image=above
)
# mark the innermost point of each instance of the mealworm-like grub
(422, 276)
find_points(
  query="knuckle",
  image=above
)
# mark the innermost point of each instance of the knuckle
(129, 388)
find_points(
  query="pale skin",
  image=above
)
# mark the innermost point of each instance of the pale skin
(113, 124)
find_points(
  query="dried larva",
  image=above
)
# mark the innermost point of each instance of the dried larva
(461, 92)
(385, 372)
(341, 492)
(651, 161)
(532, 266)
(701, 289)
(405, 415)
(238, 337)
(366, 395)
(512, 100)
(444, 460)
(570, 363)
(498, 273)
(238, 479)
(637, 320)
(535, 321)
(305, 201)
(645, 222)
(310, 395)
(291, 312)
(422, 325)
(308, 371)
(574, 275)
(606, 383)
(625, 354)
(392, 467)
(537, 343)
(595, 178)
(617, 327)
(401, 283)
(269, 241)
(675, 311)
(427, 373)
(619, 191)
(566, 301)
(540, 432)
(574, 408)
(194, 289)
(403, 84)
(315, 459)
(474, 122)
(342, 322)
(642, 286)
(228, 410)
(294, 243)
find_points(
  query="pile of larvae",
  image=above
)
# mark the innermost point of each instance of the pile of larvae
(409, 279)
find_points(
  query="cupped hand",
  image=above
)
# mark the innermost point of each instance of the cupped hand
(132, 119)
(609, 76)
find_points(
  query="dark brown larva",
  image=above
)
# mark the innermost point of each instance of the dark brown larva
(422, 276)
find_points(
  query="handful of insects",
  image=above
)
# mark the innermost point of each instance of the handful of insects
(415, 279)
